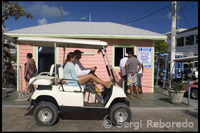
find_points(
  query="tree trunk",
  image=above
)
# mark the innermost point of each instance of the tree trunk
(9, 75)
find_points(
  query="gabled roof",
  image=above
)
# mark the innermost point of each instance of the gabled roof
(87, 30)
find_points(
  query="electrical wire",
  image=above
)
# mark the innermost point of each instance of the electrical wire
(184, 18)
(145, 11)
(147, 15)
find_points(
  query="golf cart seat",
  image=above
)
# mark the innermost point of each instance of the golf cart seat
(44, 78)
(65, 87)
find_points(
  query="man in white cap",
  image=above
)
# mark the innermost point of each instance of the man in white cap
(80, 70)
(123, 70)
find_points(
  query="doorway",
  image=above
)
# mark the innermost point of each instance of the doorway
(45, 58)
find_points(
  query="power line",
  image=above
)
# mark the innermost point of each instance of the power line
(184, 18)
(147, 15)
(186, 21)
(145, 11)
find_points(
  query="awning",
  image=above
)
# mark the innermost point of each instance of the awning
(61, 42)
(187, 59)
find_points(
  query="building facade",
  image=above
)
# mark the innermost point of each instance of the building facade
(186, 45)
(120, 39)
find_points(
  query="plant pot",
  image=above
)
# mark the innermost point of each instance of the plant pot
(176, 97)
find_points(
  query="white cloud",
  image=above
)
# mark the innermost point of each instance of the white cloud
(168, 15)
(44, 10)
(42, 21)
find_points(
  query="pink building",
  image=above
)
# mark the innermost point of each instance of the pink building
(120, 38)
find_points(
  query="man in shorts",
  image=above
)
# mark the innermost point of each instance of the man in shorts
(132, 70)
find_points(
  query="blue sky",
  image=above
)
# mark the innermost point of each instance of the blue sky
(128, 12)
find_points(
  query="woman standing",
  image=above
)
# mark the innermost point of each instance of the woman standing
(29, 71)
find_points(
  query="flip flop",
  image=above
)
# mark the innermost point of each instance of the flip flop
(129, 96)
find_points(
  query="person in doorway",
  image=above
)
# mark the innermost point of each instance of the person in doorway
(29, 72)
(80, 70)
(69, 73)
(139, 76)
(132, 70)
(123, 70)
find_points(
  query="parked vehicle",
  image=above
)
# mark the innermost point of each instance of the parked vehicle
(191, 76)
(52, 97)
(194, 87)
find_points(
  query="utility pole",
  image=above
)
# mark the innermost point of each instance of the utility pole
(61, 13)
(173, 38)
(90, 17)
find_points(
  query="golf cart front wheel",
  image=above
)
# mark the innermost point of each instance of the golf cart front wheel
(120, 113)
(46, 114)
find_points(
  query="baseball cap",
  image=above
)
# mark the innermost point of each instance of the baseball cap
(126, 55)
(77, 52)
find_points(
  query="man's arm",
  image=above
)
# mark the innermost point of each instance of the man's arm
(126, 67)
(140, 66)
(79, 71)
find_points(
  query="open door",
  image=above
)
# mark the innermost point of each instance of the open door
(45, 58)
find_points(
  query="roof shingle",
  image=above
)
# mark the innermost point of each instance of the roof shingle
(86, 28)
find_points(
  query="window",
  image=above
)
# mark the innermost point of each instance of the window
(196, 39)
(180, 41)
(190, 40)
(120, 53)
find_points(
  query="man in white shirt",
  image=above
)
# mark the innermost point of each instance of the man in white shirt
(123, 70)
(139, 77)
(80, 70)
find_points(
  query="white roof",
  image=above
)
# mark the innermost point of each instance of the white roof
(187, 59)
(60, 42)
(71, 28)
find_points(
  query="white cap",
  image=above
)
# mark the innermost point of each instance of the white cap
(126, 54)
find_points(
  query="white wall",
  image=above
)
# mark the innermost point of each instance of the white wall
(186, 49)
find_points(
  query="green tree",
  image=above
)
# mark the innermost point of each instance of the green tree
(10, 9)
(13, 10)
(161, 46)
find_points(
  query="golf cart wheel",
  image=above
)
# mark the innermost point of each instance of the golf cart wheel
(46, 114)
(194, 94)
(120, 113)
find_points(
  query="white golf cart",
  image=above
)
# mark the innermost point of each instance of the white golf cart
(51, 97)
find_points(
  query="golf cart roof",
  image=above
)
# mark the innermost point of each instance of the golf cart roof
(61, 42)
(187, 59)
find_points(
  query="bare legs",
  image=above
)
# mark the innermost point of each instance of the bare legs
(85, 78)
(132, 89)
(29, 89)
(137, 91)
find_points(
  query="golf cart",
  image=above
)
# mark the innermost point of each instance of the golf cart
(51, 97)
(191, 89)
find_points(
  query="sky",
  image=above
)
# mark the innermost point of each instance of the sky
(154, 16)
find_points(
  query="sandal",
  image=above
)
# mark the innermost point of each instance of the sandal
(129, 96)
